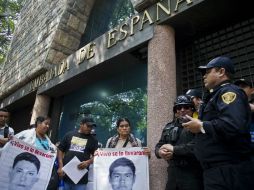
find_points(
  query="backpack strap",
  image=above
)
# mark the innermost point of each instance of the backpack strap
(6, 131)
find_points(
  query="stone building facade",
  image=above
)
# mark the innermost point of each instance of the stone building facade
(71, 58)
(47, 33)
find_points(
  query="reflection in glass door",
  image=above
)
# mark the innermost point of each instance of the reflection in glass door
(122, 95)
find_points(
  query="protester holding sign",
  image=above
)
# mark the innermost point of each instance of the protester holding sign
(37, 137)
(82, 145)
(124, 137)
(24, 167)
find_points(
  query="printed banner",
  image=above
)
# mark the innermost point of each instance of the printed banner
(118, 169)
(23, 167)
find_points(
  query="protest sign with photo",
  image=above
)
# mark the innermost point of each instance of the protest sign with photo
(125, 168)
(23, 167)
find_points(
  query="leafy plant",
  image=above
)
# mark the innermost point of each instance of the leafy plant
(9, 14)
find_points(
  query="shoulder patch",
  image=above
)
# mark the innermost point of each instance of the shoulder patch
(228, 97)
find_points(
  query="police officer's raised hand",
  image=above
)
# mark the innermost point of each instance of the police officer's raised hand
(166, 151)
(194, 125)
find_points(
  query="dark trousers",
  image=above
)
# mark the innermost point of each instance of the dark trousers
(184, 178)
(238, 176)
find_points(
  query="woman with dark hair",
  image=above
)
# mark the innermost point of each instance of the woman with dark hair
(124, 137)
(38, 136)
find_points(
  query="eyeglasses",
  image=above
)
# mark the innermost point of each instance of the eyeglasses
(186, 107)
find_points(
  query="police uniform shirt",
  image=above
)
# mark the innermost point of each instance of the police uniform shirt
(226, 118)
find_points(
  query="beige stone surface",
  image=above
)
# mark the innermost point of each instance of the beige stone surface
(41, 107)
(161, 95)
(48, 31)
(73, 22)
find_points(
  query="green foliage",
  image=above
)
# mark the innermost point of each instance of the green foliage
(123, 10)
(9, 13)
(131, 104)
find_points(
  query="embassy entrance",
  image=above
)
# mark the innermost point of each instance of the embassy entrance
(123, 94)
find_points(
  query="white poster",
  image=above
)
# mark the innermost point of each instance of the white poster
(72, 170)
(121, 169)
(23, 167)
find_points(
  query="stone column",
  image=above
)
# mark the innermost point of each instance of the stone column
(161, 95)
(41, 107)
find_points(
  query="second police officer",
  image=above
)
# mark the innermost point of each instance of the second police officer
(176, 147)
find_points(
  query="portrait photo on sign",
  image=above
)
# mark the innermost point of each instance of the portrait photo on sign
(116, 169)
(24, 168)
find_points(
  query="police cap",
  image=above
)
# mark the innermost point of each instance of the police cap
(243, 82)
(221, 62)
(194, 93)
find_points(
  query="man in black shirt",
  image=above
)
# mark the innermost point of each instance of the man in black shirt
(81, 144)
(223, 136)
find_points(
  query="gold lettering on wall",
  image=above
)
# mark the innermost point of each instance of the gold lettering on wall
(123, 32)
(56, 71)
(162, 9)
(43, 78)
(181, 1)
(112, 38)
(51, 73)
(90, 49)
(82, 55)
(146, 17)
(160, 6)
(63, 67)
(86, 52)
(134, 21)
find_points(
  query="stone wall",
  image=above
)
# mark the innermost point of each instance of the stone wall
(48, 31)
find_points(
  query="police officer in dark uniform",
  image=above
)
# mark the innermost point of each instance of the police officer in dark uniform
(176, 147)
(223, 138)
(248, 88)
(196, 97)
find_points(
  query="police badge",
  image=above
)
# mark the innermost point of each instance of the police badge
(228, 97)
